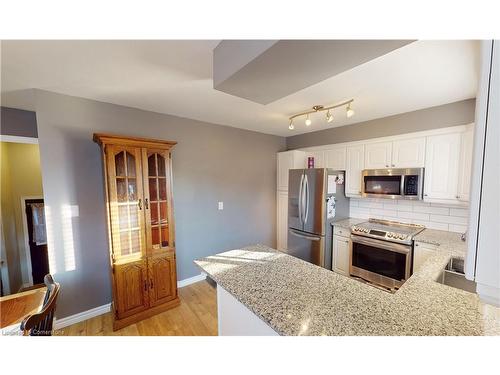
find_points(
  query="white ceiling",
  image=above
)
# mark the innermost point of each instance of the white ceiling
(175, 77)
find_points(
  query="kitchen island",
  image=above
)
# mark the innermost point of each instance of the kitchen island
(293, 297)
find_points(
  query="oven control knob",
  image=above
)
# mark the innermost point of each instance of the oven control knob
(389, 235)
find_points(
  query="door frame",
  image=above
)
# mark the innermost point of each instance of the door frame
(5, 270)
(26, 235)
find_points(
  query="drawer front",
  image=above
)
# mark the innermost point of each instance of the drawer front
(340, 231)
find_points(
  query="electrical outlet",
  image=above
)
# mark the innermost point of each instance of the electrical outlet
(221, 206)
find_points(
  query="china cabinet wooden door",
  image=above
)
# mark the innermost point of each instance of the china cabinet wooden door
(131, 281)
(158, 202)
(126, 203)
(162, 279)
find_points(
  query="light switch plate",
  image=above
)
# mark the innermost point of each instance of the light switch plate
(221, 206)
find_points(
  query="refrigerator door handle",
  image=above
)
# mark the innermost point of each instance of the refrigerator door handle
(306, 202)
(300, 198)
(312, 238)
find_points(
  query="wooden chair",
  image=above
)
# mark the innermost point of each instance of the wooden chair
(40, 324)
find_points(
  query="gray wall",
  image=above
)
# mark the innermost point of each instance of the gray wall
(457, 113)
(211, 163)
(17, 122)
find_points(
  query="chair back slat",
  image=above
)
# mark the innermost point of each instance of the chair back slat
(40, 323)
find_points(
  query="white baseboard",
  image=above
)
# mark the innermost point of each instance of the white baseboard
(191, 280)
(80, 317)
(96, 311)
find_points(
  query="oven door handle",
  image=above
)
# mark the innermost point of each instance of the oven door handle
(386, 245)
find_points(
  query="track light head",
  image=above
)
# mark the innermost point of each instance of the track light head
(291, 127)
(329, 117)
(349, 111)
(308, 121)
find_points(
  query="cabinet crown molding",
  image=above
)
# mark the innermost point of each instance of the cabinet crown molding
(104, 139)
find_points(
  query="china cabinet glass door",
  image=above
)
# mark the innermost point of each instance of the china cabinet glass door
(126, 201)
(157, 186)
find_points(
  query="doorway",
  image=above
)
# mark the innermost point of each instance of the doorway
(36, 239)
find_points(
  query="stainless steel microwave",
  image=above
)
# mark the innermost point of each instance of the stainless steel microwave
(393, 183)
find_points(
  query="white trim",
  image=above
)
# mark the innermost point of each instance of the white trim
(423, 133)
(26, 236)
(80, 317)
(191, 280)
(17, 139)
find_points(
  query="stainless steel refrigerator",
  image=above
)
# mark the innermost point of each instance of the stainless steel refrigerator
(316, 198)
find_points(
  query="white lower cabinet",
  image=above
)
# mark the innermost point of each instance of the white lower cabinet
(340, 255)
(282, 220)
(421, 252)
(464, 174)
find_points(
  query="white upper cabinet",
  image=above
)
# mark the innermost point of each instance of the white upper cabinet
(355, 161)
(408, 153)
(288, 160)
(464, 174)
(378, 155)
(335, 158)
(442, 160)
(403, 153)
(319, 158)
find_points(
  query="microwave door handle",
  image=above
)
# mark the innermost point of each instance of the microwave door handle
(306, 202)
(402, 188)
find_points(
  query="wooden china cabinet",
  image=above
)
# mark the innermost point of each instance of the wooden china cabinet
(138, 184)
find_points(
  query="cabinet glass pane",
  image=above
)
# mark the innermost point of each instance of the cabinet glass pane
(152, 165)
(135, 241)
(154, 213)
(124, 243)
(155, 236)
(164, 236)
(161, 165)
(134, 216)
(163, 212)
(123, 217)
(120, 164)
(153, 191)
(130, 165)
(132, 190)
(121, 189)
(163, 188)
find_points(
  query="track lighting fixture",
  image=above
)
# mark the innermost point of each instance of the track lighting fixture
(329, 116)
(349, 111)
(308, 121)
(320, 108)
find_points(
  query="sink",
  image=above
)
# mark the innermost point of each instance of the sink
(453, 275)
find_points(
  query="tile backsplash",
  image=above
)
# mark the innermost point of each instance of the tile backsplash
(434, 216)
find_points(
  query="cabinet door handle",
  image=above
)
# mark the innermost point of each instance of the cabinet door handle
(151, 283)
(457, 196)
(146, 203)
(145, 285)
(393, 165)
(387, 165)
(139, 203)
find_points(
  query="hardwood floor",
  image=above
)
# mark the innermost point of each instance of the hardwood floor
(196, 316)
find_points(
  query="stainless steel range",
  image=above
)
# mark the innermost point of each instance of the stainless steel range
(381, 252)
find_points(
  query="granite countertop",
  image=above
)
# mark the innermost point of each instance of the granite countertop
(447, 241)
(298, 298)
(347, 223)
